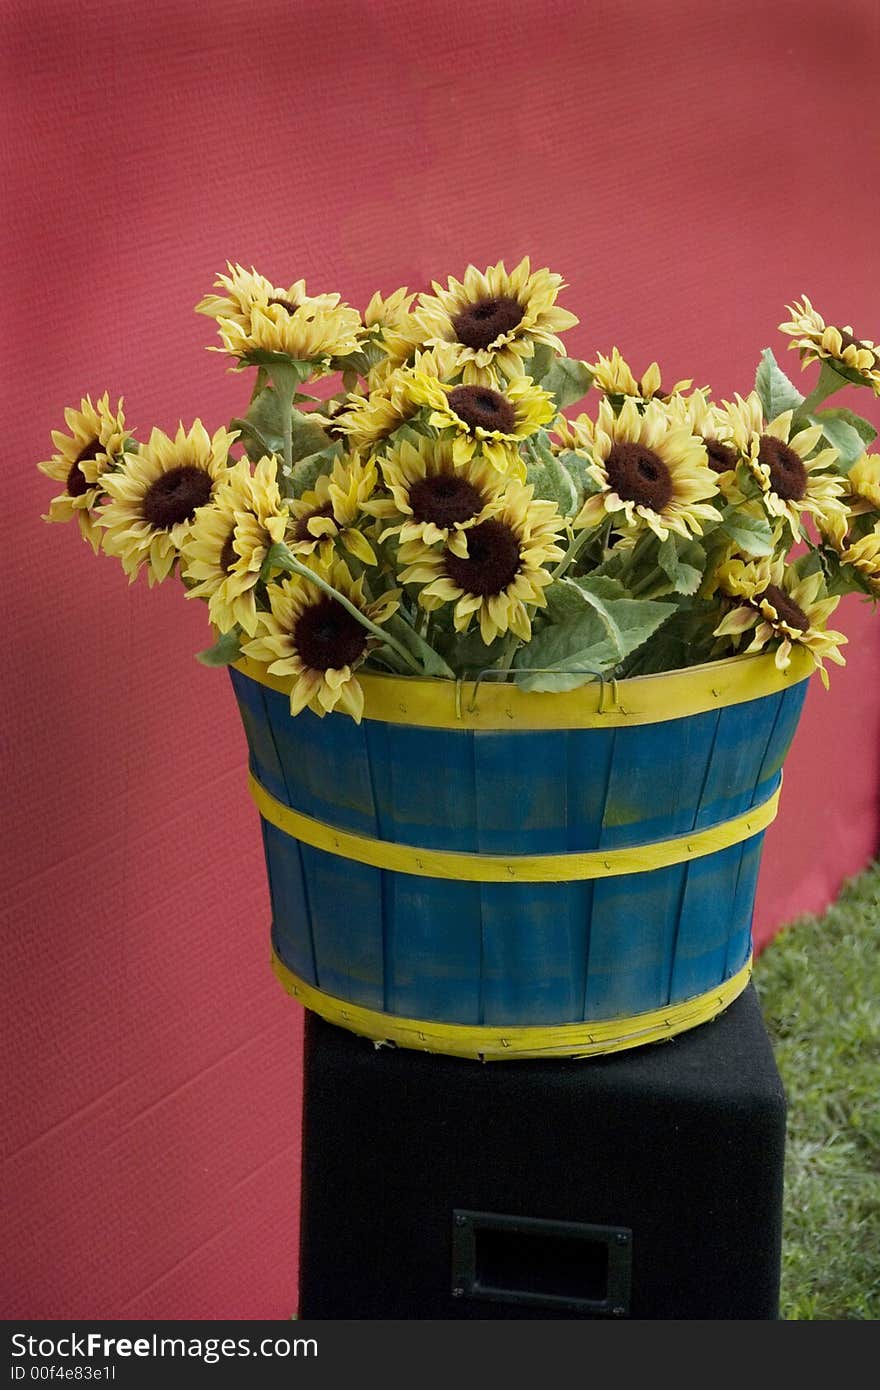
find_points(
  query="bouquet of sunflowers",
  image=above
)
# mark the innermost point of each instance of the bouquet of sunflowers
(433, 511)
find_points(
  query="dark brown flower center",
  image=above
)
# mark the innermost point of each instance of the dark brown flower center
(788, 477)
(302, 532)
(284, 302)
(492, 562)
(849, 341)
(789, 612)
(444, 499)
(327, 637)
(480, 324)
(480, 405)
(229, 554)
(639, 475)
(175, 495)
(721, 456)
(77, 483)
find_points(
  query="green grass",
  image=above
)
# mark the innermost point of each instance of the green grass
(819, 986)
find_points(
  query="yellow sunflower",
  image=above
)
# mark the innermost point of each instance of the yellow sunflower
(861, 497)
(793, 485)
(227, 543)
(394, 326)
(771, 602)
(495, 319)
(712, 424)
(862, 484)
(488, 423)
(652, 472)
(432, 499)
(369, 420)
(864, 556)
(615, 377)
(244, 290)
(858, 359)
(95, 445)
(155, 495)
(577, 434)
(305, 334)
(330, 510)
(503, 572)
(312, 638)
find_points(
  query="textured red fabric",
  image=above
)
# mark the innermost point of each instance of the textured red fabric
(689, 168)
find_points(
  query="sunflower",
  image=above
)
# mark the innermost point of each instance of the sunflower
(614, 376)
(330, 509)
(487, 422)
(862, 484)
(772, 602)
(793, 485)
(495, 320)
(857, 359)
(577, 434)
(394, 326)
(307, 333)
(861, 497)
(502, 572)
(155, 495)
(652, 472)
(311, 637)
(864, 556)
(369, 420)
(432, 499)
(95, 445)
(712, 424)
(247, 289)
(227, 543)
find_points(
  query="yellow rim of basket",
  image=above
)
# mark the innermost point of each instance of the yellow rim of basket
(485, 704)
(494, 1044)
(512, 868)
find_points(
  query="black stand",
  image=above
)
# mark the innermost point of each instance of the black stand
(646, 1184)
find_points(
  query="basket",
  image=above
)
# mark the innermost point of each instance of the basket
(484, 872)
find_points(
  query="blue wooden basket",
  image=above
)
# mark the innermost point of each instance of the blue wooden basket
(483, 872)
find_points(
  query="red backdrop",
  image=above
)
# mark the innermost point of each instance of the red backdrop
(689, 169)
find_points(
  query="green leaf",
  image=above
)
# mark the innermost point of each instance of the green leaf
(225, 650)
(540, 362)
(777, 392)
(752, 534)
(357, 363)
(265, 417)
(567, 380)
(552, 481)
(592, 627)
(862, 427)
(306, 471)
(467, 651)
(307, 436)
(683, 562)
(564, 656)
(847, 432)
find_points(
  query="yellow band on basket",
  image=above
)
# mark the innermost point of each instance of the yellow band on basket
(492, 1044)
(514, 868)
(486, 704)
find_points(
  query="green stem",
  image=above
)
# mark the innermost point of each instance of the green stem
(574, 550)
(292, 564)
(829, 382)
(509, 653)
(648, 581)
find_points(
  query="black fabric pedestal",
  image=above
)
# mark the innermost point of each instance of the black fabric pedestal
(646, 1184)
